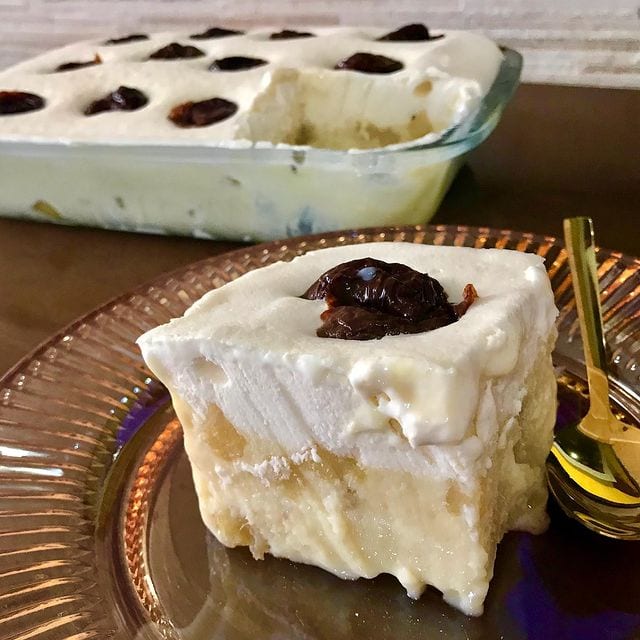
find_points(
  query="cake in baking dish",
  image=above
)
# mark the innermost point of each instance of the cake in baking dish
(249, 135)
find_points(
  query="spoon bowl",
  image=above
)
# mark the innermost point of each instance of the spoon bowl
(579, 476)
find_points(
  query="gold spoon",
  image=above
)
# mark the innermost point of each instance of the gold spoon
(594, 466)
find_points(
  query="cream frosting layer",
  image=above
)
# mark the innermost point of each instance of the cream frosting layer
(297, 98)
(251, 349)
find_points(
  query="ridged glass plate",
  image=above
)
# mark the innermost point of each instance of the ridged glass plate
(100, 534)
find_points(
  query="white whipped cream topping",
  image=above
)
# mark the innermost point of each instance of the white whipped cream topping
(384, 401)
(442, 81)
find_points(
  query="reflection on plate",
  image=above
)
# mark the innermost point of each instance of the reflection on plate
(100, 534)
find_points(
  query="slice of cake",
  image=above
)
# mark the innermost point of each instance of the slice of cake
(403, 432)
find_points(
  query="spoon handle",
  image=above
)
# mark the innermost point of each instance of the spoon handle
(579, 240)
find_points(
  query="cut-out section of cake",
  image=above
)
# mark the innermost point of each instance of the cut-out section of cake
(338, 110)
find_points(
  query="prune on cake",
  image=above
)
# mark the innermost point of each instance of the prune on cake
(134, 37)
(370, 63)
(215, 32)
(72, 66)
(176, 51)
(12, 102)
(469, 295)
(410, 33)
(122, 99)
(203, 113)
(236, 63)
(290, 34)
(368, 299)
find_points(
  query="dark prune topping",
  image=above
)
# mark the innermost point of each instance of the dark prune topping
(370, 63)
(290, 34)
(122, 99)
(12, 102)
(134, 37)
(176, 51)
(72, 66)
(368, 299)
(236, 63)
(410, 33)
(215, 32)
(203, 113)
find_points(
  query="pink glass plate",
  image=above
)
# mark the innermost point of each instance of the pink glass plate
(100, 534)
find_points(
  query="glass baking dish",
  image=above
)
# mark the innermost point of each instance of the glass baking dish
(254, 193)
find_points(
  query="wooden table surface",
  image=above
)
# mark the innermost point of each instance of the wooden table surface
(559, 151)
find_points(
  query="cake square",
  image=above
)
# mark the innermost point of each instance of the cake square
(411, 454)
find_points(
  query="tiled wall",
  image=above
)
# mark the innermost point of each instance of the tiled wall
(594, 42)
